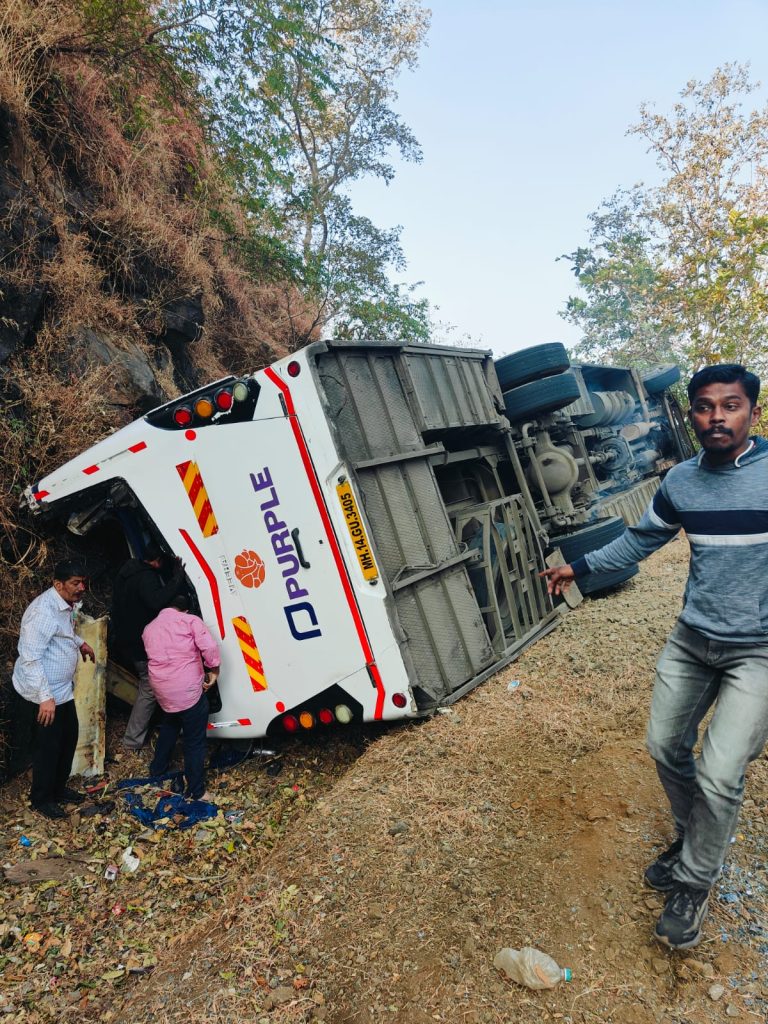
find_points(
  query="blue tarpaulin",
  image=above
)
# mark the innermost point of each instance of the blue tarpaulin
(167, 804)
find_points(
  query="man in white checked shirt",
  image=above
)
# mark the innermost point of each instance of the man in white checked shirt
(43, 674)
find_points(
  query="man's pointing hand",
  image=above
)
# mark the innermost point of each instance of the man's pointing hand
(558, 578)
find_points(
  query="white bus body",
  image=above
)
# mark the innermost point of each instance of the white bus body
(324, 528)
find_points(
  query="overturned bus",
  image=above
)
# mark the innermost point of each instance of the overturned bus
(363, 525)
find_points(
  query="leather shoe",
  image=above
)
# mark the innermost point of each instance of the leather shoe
(70, 796)
(50, 810)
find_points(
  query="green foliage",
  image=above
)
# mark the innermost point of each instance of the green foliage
(396, 315)
(339, 130)
(349, 279)
(296, 98)
(622, 276)
(679, 271)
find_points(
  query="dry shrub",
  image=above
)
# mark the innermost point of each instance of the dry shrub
(112, 211)
(132, 161)
(71, 273)
(27, 30)
(83, 115)
(53, 416)
(138, 234)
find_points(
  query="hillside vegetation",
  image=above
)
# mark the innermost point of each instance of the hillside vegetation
(170, 212)
(119, 287)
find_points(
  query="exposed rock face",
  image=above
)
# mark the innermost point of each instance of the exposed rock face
(183, 320)
(30, 246)
(110, 278)
(25, 230)
(132, 383)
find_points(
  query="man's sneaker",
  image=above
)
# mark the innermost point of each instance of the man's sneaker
(70, 796)
(50, 810)
(659, 874)
(680, 923)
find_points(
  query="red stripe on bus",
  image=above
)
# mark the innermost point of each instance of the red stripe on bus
(91, 469)
(209, 576)
(138, 447)
(253, 663)
(338, 558)
(39, 495)
(194, 488)
(246, 637)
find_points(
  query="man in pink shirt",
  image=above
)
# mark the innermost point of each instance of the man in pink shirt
(178, 645)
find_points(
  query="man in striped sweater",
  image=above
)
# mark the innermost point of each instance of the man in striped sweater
(717, 653)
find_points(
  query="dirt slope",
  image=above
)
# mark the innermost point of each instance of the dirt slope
(373, 885)
(521, 816)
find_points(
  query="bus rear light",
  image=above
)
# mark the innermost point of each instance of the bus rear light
(294, 368)
(399, 700)
(204, 408)
(343, 714)
(290, 723)
(182, 416)
(307, 720)
(325, 716)
(220, 403)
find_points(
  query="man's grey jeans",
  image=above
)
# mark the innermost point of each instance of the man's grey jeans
(705, 794)
(143, 708)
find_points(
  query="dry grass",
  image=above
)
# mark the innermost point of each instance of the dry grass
(108, 217)
(441, 844)
(519, 816)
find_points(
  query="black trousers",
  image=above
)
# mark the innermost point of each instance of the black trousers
(54, 752)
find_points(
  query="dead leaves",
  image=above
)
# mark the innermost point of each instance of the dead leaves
(72, 939)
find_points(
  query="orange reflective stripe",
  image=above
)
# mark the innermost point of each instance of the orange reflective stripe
(198, 496)
(250, 652)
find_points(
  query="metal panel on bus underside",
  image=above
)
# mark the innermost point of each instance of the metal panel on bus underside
(294, 616)
(449, 391)
(381, 402)
(446, 640)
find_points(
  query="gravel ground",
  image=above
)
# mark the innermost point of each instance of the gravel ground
(523, 815)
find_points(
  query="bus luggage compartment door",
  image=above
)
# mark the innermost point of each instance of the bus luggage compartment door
(279, 580)
(377, 412)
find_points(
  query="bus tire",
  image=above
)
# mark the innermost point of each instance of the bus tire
(541, 396)
(658, 378)
(531, 364)
(597, 582)
(590, 538)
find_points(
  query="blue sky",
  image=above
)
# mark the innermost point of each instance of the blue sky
(521, 110)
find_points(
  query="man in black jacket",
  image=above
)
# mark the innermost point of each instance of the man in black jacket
(137, 596)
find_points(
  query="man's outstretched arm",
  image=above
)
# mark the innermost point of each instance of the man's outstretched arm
(658, 525)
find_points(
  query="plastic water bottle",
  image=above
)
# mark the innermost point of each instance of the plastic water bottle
(531, 967)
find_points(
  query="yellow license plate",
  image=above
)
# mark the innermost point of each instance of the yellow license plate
(357, 531)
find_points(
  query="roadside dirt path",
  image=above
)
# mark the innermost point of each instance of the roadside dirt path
(521, 816)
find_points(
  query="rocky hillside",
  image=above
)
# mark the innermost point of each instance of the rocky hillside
(127, 272)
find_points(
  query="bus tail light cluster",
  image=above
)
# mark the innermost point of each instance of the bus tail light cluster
(204, 407)
(306, 720)
(228, 401)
